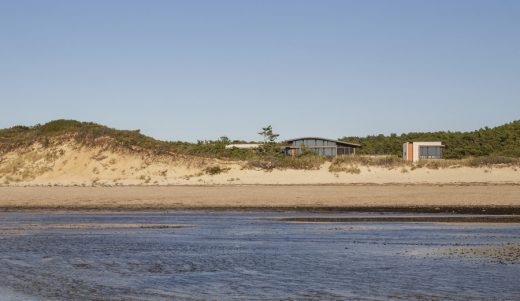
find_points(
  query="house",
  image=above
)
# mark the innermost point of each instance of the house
(415, 151)
(322, 146)
(243, 145)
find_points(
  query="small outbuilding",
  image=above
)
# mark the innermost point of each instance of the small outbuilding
(243, 145)
(322, 146)
(415, 151)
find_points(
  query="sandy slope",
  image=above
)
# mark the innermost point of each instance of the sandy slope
(70, 164)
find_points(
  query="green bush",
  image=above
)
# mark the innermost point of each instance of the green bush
(215, 170)
(61, 125)
(281, 161)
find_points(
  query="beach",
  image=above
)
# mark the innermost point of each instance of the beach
(264, 196)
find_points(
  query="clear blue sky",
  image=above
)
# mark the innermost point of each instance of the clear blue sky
(188, 70)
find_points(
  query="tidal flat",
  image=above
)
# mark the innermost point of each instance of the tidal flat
(255, 255)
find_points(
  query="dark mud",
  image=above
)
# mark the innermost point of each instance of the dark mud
(503, 254)
(407, 219)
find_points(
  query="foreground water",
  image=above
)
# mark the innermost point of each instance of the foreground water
(247, 255)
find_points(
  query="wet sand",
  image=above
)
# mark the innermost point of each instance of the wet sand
(505, 253)
(91, 226)
(408, 219)
(474, 198)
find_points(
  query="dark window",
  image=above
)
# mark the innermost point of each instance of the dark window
(430, 152)
(345, 150)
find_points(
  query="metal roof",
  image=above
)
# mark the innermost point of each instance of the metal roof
(321, 138)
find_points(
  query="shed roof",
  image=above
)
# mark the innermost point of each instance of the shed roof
(344, 143)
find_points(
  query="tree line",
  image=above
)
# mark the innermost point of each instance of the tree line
(502, 140)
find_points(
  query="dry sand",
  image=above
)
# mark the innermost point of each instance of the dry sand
(262, 196)
(70, 164)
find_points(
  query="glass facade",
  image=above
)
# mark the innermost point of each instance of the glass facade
(430, 152)
(322, 147)
(345, 150)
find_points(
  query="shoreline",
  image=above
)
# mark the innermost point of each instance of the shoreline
(468, 210)
(486, 219)
(488, 198)
(507, 183)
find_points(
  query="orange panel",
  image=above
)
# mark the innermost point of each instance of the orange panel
(410, 152)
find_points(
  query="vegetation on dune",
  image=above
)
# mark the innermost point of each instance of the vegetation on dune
(502, 141)
(485, 147)
(84, 132)
(215, 170)
(88, 133)
(384, 161)
(281, 161)
(350, 164)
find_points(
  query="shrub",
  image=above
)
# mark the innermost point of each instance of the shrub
(261, 164)
(281, 161)
(382, 161)
(215, 170)
(348, 168)
(492, 160)
(60, 125)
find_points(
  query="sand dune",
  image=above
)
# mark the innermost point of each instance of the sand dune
(69, 164)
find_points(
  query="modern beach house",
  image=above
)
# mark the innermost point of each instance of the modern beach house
(322, 146)
(415, 151)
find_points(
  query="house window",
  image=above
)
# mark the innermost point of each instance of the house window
(430, 152)
(345, 150)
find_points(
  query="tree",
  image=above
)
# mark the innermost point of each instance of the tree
(267, 133)
(269, 145)
(225, 140)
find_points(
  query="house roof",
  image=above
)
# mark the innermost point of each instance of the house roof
(243, 145)
(344, 143)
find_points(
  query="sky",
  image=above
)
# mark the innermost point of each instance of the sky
(190, 70)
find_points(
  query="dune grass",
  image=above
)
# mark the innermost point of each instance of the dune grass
(351, 164)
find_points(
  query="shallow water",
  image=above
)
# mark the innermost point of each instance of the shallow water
(247, 255)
